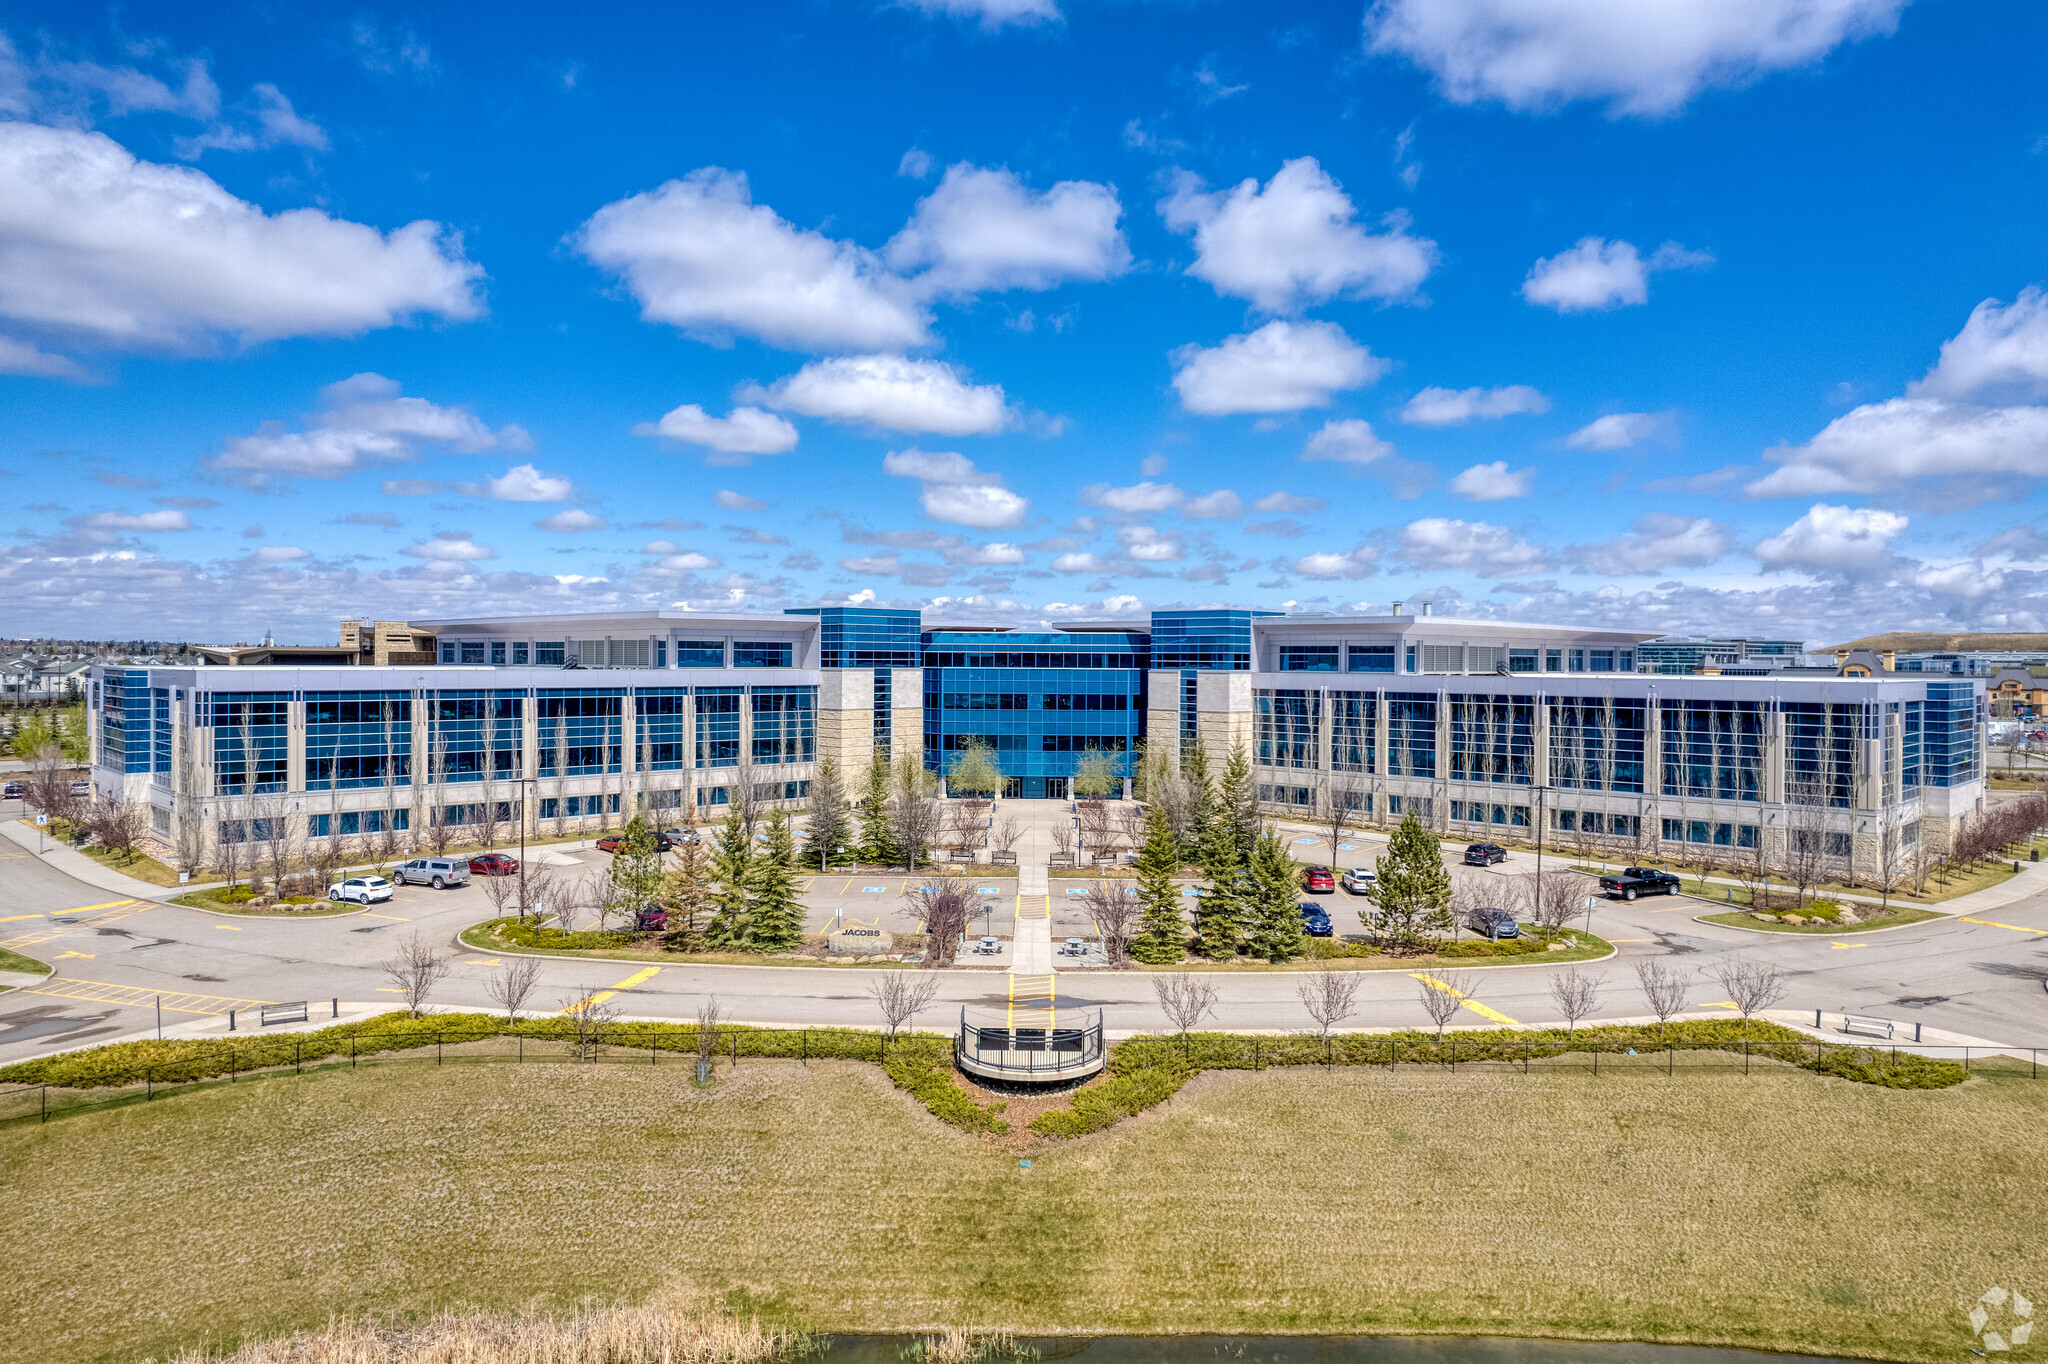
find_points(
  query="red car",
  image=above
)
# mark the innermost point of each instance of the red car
(1317, 880)
(493, 864)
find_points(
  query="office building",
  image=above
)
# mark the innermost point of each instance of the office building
(1480, 728)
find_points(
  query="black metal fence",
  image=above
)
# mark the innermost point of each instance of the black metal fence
(1028, 1053)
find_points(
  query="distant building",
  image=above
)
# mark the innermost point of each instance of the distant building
(1683, 654)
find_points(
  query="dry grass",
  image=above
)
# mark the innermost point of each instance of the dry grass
(660, 1333)
(1776, 1211)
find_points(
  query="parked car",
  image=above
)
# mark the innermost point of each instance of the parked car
(678, 837)
(81, 788)
(494, 864)
(1484, 854)
(1635, 881)
(611, 843)
(1492, 922)
(651, 920)
(1318, 881)
(1358, 880)
(1315, 921)
(14, 790)
(363, 890)
(438, 872)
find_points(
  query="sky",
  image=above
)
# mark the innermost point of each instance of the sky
(1698, 316)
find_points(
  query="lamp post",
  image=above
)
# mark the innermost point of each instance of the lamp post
(1541, 792)
(523, 783)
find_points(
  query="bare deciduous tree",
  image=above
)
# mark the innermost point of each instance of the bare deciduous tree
(502, 892)
(1116, 913)
(1560, 898)
(901, 997)
(914, 813)
(943, 905)
(1664, 990)
(1442, 995)
(1005, 833)
(1186, 1000)
(1577, 995)
(514, 983)
(1062, 835)
(709, 1019)
(415, 968)
(1330, 997)
(120, 824)
(1753, 986)
(591, 1023)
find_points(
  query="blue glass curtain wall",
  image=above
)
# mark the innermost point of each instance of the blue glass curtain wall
(356, 739)
(250, 735)
(580, 732)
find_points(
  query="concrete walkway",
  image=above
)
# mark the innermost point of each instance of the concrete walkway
(79, 867)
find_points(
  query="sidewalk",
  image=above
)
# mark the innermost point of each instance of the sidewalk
(79, 867)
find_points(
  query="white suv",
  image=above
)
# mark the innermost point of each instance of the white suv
(438, 872)
(363, 890)
(1359, 881)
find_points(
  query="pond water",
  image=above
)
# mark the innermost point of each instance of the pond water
(1327, 1350)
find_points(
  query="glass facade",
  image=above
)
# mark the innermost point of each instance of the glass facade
(1354, 731)
(865, 637)
(1493, 739)
(580, 731)
(251, 731)
(1820, 752)
(1042, 703)
(1713, 750)
(1949, 734)
(1411, 735)
(1286, 728)
(1596, 743)
(784, 723)
(356, 739)
(661, 718)
(125, 722)
(475, 734)
(718, 726)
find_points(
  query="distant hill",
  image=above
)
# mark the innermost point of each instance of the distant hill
(1927, 642)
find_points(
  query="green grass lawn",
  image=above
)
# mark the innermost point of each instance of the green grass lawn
(1780, 1210)
(1895, 919)
(14, 961)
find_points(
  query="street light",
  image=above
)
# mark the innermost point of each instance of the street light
(523, 783)
(1541, 792)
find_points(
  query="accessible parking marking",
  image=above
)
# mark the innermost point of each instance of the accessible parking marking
(136, 997)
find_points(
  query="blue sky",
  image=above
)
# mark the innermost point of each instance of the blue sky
(1683, 315)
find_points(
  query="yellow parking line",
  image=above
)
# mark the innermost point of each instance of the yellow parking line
(87, 909)
(229, 928)
(479, 961)
(638, 976)
(1845, 946)
(848, 886)
(12, 917)
(600, 996)
(373, 914)
(1991, 924)
(137, 997)
(62, 955)
(1474, 1005)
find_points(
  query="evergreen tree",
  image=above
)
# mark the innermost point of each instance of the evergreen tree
(636, 866)
(686, 895)
(775, 917)
(733, 865)
(1162, 936)
(1219, 913)
(1237, 801)
(1194, 770)
(830, 823)
(1273, 914)
(877, 841)
(1413, 893)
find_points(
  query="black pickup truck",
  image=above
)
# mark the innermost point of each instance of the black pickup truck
(1635, 881)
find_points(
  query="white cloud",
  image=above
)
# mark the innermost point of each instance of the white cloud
(366, 423)
(1439, 544)
(19, 357)
(2022, 543)
(1294, 243)
(658, 547)
(1137, 499)
(729, 500)
(1455, 407)
(1646, 57)
(1834, 541)
(915, 165)
(2000, 355)
(1959, 454)
(700, 255)
(1617, 431)
(743, 432)
(1082, 563)
(1361, 562)
(99, 249)
(1597, 274)
(1147, 545)
(450, 546)
(1222, 505)
(133, 521)
(689, 561)
(1350, 441)
(986, 230)
(1152, 466)
(1656, 543)
(982, 556)
(569, 522)
(281, 554)
(955, 491)
(891, 392)
(524, 483)
(275, 123)
(990, 14)
(1281, 367)
(1289, 502)
(1493, 482)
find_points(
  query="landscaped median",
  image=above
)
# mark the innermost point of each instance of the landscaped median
(525, 935)
(226, 900)
(1822, 924)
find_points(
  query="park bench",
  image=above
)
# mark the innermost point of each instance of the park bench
(1003, 859)
(283, 1013)
(1867, 1027)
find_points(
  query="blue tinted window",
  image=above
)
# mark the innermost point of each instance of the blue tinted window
(249, 738)
(700, 653)
(358, 739)
(718, 726)
(662, 728)
(579, 731)
(1308, 658)
(1370, 658)
(760, 655)
(784, 720)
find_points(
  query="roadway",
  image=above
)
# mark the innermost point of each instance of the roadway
(1980, 977)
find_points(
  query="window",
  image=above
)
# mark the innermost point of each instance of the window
(1299, 796)
(1422, 807)
(1082, 743)
(712, 795)
(550, 653)
(1353, 717)
(661, 653)
(579, 732)
(519, 653)
(1369, 658)
(760, 655)
(448, 651)
(472, 651)
(661, 729)
(1838, 845)
(1712, 749)
(472, 735)
(1308, 658)
(796, 790)
(1820, 761)
(1492, 738)
(498, 653)
(1603, 660)
(1596, 743)
(1411, 659)
(996, 700)
(718, 726)
(700, 653)
(1745, 835)
(1081, 701)
(160, 821)
(1553, 660)
(358, 739)
(1625, 661)
(1521, 660)
(784, 724)
(1285, 728)
(1674, 831)
(249, 737)
(1578, 660)
(1411, 734)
